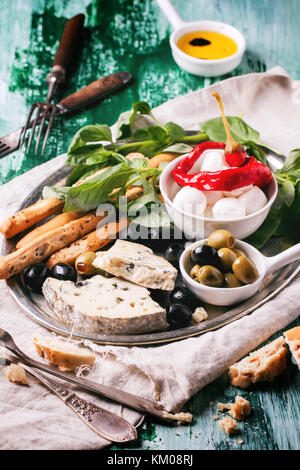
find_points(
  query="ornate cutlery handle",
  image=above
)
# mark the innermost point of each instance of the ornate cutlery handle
(104, 423)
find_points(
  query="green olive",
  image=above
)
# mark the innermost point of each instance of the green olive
(221, 239)
(210, 276)
(227, 257)
(245, 270)
(194, 271)
(83, 263)
(239, 252)
(231, 280)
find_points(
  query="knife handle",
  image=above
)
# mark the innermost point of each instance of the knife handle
(104, 423)
(67, 45)
(94, 91)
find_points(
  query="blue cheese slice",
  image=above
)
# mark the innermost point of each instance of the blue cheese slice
(137, 263)
(100, 305)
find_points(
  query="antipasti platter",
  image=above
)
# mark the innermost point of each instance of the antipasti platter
(158, 296)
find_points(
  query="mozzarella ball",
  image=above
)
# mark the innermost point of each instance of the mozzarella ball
(253, 200)
(212, 196)
(238, 192)
(208, 212)
(214, 160)
(190, 200)
(228, 208)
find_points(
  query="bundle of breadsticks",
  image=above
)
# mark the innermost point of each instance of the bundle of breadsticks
(66, 235)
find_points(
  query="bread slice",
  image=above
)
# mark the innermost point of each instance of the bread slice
(292, 338)
(64, 354)
(262, 365)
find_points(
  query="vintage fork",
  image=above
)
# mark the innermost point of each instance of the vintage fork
(46, 110)
(141, 404)
(106, 424)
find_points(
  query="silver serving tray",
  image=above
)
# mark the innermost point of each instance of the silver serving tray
(36, 307)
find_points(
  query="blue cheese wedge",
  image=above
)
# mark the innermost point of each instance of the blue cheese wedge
(138, 264)
(100, 305)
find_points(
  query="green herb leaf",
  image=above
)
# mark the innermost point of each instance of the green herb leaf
(292, 162)
(174, 131)
(51, 191)
(96, 133)
(241, 131)
(178, 148)
(97, 190)
(267, 229)
(151, 133)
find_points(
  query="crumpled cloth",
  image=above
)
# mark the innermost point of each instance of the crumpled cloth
(33, 418)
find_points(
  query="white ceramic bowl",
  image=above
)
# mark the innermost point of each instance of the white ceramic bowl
(196, 227)
(229, 296)
(202, 67)
(222, 295)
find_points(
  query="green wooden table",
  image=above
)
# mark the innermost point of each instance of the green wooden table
(133, 36)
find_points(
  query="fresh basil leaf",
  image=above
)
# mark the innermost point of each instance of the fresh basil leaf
(81, 154)
(286, 194)
(141, 107)
(55, 191)
(241, 131)
(266, 230)
(178, 148)
(151, 133)
(139, 163)
(97, 190)
(292, 162)
(256, 151)
(123, 126)
(174, 131)
(83, 171)
(156, 216)
(95, 133)
(289, 227)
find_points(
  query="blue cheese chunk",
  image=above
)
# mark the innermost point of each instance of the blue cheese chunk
(138, 264)
(100, 305)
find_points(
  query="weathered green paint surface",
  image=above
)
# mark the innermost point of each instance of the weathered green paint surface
(133, 36)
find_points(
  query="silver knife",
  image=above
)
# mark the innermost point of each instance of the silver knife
(104, 423)
(92, 92)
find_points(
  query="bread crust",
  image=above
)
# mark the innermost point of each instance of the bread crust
(63, 359)
(43, 246)
(58, 221)
(262, 365)
(29, 216)
(94, 241)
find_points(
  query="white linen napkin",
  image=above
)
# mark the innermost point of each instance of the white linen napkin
(33, 418)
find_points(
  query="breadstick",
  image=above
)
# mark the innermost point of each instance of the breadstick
(58, 221)
(154, 162)
(46, 244)
(94, 241)
(31, 215)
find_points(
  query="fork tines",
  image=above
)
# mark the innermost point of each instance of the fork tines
(43, 111)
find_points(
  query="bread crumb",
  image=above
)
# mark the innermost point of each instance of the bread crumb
(215, 417)
(224, 406)
(228, 425)
(199, 315)
(240, 409)
(16, 374)
(240, 441)
(292, 338)
(262, 365)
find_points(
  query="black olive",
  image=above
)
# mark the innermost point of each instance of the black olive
(35, 275)
(205, 254)
(173, 253)
(181, 295)
(178, 315)
(64, 272)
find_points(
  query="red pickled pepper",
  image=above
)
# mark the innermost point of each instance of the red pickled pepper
(251, 172)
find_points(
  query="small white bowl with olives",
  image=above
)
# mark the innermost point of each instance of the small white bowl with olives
(220, 270)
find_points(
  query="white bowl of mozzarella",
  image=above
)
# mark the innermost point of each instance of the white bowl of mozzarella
(198, 213)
